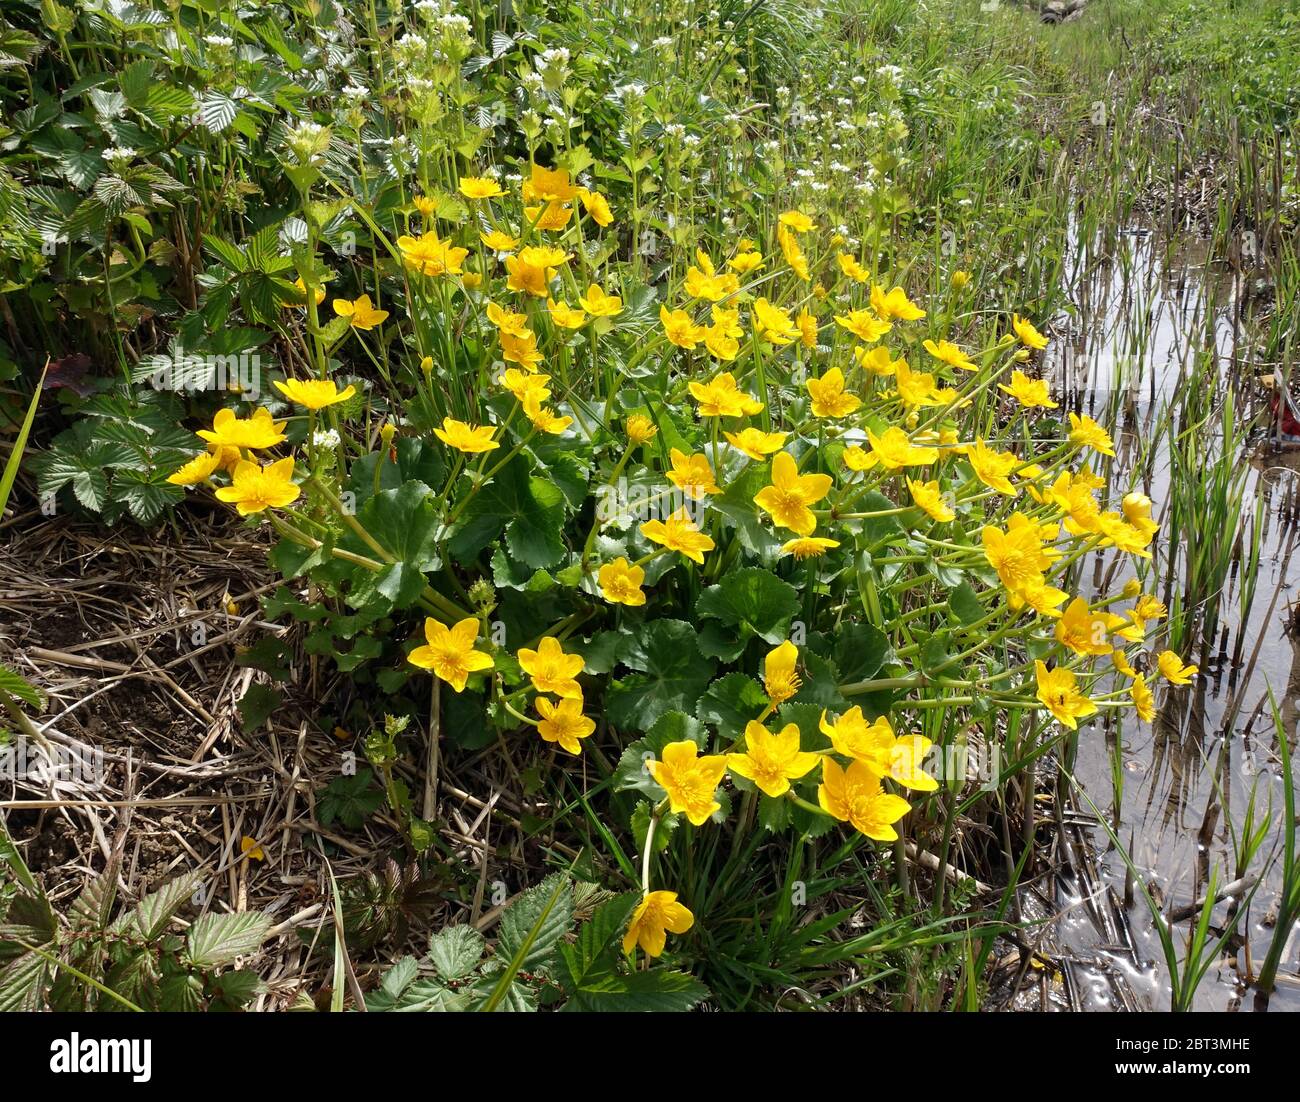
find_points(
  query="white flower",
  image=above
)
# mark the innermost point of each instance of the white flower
(326, 438)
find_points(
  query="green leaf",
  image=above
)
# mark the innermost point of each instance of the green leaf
(456, 951)
(15, 685)
(754, 600)
(404, 522)
(152, 914)
(670, 675)
(731, 702)
(656, 991)
(531, 928)
(219, 938)
(529, 509)
(22, 982)
(860, 651)
(94, 906)
(965, 604)
(256, 706)
(417, 461)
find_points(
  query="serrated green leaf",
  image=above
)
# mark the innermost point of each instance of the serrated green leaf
(219, 938)
(456, 951)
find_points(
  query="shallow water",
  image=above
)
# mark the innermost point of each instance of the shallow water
(1145, 322)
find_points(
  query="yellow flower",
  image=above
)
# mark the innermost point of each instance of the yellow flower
(721, 397)
(876, 747)
(1086, 433)
(449, 652)
(479, 187)
(655, 916)
(1030, 393)
(506, 320)
(528, 278)
(1144, 700)
(596, 206)
(1059, 692)
(689, 780)
(1125, 536)
(564, 722)
(773, 324)
(788, 498)
(524, 383)
(992, 468)
(850, 267)
(621, 581)
(1149, 608)
(544, 256)
(720, 343)
(1039, 596)
(959, 279)
(679, 533)
(549, 184)
(797, 221)
(257, 432)
(1121, 663)
(894, 304)
(746, 262)
(639, 429)
(1174, 670)
(808, 547)
(317, 291)
(807, 324)
(466, 438)
(250, 848)
(780, 679)
(197, 470)
(1029, 336)
(600, 305)
(894, 450)
(727, 321)
(520, 348)
(703, 281)
(314, 393)
(917, 389)
(772, 761)
(554, 216)
(551, 670)
(692, 475)
(929, 497)
(565, 315)
(1082, 631)
(1137, 511)
(829, 399)
(756, 443)
(854, 795)
(543, 419)
(680, 328)
(1018, 554)
(431, 256)
(794, 255)
(864, 325)
(254, 488)
(498, 241)
(949, 353)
